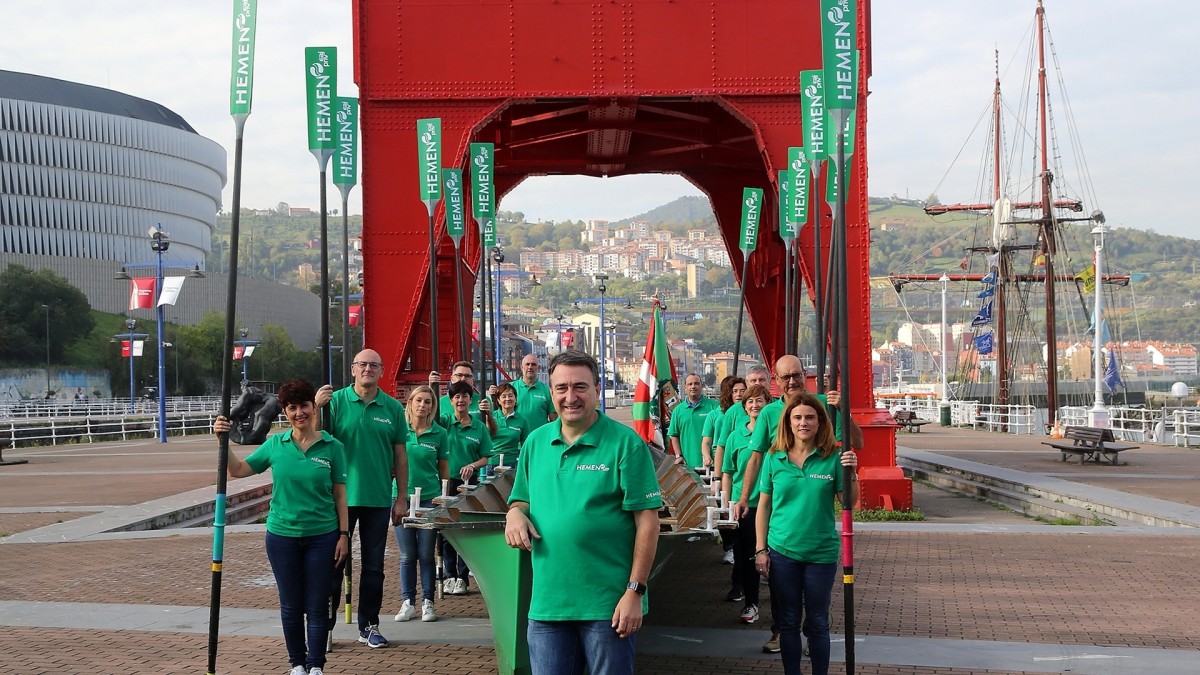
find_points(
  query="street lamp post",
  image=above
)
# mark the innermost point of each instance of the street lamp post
(159, 244)
(942, 340)
(47, 308)
(497, 327)
(248, 345)
(602, 288)
(1098, 415)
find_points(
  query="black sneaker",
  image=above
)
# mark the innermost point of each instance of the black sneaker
(735, 595)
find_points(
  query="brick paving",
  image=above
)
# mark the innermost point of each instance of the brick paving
(1103, 589)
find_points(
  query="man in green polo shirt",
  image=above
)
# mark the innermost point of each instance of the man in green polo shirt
(533, 396)
(461, 371)
(372, 427)
(686, 431)
(585, 501)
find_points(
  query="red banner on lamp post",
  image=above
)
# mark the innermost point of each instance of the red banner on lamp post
(354, 313)
(141, 293)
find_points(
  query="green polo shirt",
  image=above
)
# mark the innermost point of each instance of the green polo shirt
(466, 444)
(801, 525)
(301, 483)
(511, 432)
(737, 455)
(581, 500)
(768, 425)
(733, 418)
(445, 407)
(424, 450)
(534, 403)
(367, 432)
(687, 424)
(713, 427)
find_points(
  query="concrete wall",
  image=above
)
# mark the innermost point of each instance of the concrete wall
(259, 302)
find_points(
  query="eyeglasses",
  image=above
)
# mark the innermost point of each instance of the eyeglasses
(462, 376)
(784, 377)
(368, 365)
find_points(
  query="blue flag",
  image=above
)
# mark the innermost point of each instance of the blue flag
(1112, 374)
(987, 292)
(989, 279)
(984, 316)
(983, 343)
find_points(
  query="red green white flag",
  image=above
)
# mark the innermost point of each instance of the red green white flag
(655, 394)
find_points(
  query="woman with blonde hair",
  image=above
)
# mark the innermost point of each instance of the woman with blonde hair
(428, 462)
(797, 545)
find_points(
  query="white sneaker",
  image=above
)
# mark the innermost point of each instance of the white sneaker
(448, 586)
(427, 611)
(728, 559)
(460, 586)
(407, 611)
(297, 670)
(316, 671)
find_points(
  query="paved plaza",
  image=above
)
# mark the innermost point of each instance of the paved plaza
(974, 589)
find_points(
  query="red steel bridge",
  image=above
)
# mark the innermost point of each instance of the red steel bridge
(707, 90)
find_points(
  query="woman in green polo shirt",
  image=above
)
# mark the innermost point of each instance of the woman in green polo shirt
(712, 447)
(797, 544)
(511, 427)
(428, 466)
(733, 471)
(307, 533)
(470, 447)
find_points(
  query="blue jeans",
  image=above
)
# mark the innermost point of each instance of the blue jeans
(568, 647)
(372, 538)
(416, 546)
(303, 568)
(800, 594)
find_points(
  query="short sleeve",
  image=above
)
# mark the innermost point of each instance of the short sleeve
(485, 442)
(401, 434)
(520, 488)
(673, 427)
(639, 483)
(728, 464)
(337, 461)
(764, 475)
(260, 459)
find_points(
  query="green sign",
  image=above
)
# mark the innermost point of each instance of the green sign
(429, 156)
(482, 190)
(848, 142)
(787, 230)
(345, 156)
(752, 201)
(812, 105)
(241, 77)
(798, 174)
(839, 34)
(452, 180)
(320, 64)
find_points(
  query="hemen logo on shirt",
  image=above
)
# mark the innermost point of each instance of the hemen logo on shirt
(592, 467)
(652, 495)
(820, 476)
(384, 420)
(322, 461)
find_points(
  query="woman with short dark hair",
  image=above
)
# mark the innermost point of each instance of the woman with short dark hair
(307, 527)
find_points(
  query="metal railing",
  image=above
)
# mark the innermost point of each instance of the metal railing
(1011, 419)
(110, 420)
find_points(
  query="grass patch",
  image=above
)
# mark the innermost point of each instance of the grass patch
(1072, 521)
(885, 516)
(881, 515)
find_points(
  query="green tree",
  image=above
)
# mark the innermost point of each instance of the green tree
(25, 298)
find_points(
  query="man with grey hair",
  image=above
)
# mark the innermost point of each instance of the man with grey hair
(686, 431)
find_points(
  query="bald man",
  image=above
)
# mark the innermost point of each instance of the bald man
(534, 404)
(372, 427)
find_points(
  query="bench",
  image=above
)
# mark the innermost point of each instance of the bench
(908, 420)
(1090, 443)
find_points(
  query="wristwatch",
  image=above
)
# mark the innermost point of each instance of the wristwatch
(634, 586)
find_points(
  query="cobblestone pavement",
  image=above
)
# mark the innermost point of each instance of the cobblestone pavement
(1040, 585)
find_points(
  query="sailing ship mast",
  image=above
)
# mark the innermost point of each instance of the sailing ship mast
(1001, 247)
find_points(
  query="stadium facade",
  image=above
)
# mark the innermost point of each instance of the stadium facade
(86, 172)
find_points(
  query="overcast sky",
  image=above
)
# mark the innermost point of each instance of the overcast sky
(933, 63)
